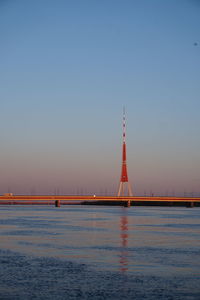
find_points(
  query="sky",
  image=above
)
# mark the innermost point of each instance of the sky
(67, 68)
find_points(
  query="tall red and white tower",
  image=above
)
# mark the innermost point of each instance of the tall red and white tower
(124, 183)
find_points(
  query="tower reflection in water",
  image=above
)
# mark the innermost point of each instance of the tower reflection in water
(124, 242)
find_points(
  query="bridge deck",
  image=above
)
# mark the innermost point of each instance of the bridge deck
(65, 199)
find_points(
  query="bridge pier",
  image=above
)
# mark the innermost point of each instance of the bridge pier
(127, 203)
(57, 203)
(190, 204)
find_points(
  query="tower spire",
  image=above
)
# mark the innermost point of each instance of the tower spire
(124, 172)
(124, 125)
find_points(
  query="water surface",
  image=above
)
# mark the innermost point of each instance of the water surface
(92, 252)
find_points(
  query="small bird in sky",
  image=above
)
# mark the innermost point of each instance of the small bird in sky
(195, 44)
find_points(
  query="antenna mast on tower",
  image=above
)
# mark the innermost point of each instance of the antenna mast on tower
(124, 173)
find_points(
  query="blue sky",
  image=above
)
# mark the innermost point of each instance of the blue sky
(66, 70)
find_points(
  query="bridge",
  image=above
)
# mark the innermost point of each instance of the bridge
(10, 199)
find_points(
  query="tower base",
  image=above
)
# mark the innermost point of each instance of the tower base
(121, 191)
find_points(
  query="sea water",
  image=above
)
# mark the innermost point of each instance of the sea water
(99, 252)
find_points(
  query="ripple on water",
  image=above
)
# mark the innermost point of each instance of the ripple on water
(47, 278)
